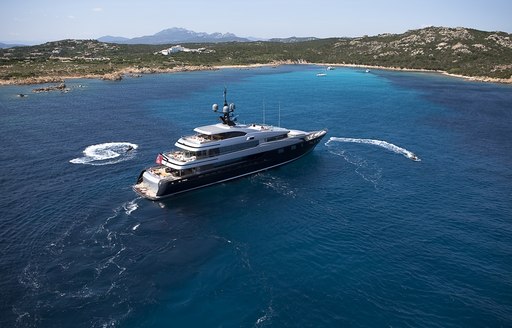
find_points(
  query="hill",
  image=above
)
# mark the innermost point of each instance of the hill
(113, 39)
(461, 51)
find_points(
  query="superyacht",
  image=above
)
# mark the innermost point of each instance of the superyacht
(221, 152)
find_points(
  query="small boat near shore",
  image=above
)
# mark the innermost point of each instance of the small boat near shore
(222, 152)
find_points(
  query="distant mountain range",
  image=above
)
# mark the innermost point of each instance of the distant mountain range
(176, 35)
(5, 45)
(180, 35)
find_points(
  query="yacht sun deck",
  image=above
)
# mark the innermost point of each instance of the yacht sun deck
(218, 132)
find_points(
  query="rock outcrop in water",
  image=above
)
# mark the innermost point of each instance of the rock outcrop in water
(59, 87)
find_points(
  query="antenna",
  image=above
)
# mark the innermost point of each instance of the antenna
(263, 111)
(227, 111)
(279, 117)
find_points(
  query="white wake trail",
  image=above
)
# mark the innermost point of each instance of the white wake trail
(384, 144)
(106, 153)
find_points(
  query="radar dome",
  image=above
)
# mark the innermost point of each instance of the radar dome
(231, 107)
(215, 107)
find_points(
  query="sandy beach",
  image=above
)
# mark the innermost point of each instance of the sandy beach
(470, 78)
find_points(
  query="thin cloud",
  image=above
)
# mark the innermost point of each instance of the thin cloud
(97, 9)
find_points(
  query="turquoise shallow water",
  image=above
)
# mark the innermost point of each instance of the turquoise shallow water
(354, 234)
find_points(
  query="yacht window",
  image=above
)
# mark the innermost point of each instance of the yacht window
(227, 135)
(213, 152)
(278, 137)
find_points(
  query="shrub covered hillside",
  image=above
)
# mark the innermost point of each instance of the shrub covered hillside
(460, 51)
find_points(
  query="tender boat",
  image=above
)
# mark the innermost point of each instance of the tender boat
(222, 152)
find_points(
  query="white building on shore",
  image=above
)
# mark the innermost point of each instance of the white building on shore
(179, 48)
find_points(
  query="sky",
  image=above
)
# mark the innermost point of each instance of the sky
(36, 21)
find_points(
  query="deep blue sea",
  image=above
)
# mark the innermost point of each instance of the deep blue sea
(355, 234)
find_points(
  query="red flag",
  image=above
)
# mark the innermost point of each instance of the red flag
(159, 159)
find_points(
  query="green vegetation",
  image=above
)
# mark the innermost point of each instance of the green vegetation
(458, 51)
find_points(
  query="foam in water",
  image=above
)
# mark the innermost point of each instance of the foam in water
(266, 318)
(130, 206)
(107, 153)
(278, 185)
(384, 144)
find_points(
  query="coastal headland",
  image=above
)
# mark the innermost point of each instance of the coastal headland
(461, 52)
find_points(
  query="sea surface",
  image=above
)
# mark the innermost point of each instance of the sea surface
(355, 234)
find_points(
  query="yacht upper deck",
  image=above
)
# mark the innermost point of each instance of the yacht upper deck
(214, 133)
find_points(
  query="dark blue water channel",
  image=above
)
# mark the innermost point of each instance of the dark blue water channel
(355, 234)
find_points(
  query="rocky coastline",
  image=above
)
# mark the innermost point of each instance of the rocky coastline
(114, 76)
(60, 87)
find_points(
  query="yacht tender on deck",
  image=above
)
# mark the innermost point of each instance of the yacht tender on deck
(221, 152)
